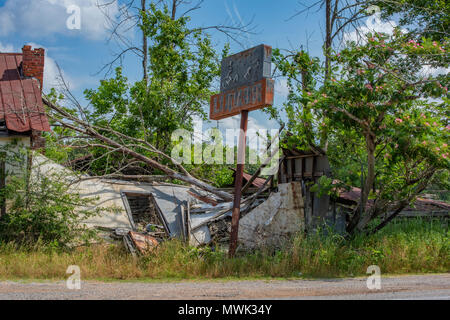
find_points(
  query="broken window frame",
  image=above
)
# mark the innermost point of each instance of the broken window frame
(127, 206)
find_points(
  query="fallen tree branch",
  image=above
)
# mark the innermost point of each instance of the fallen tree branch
(141, 178)
(266, 161)
(94, 131)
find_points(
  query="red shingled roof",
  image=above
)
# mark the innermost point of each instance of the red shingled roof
(20, 98)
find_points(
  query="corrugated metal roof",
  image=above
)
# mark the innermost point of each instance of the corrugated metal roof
(20, 98)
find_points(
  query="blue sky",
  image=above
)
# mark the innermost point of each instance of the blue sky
(81, 53)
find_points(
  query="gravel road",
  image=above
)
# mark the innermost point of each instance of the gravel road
(401, 287)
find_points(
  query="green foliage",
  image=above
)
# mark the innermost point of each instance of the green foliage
(300, 70)
(41, 208)
(382, 109)
(381, 91)
(219, 175)
(324, 186)
(429, 18)
(182, 67)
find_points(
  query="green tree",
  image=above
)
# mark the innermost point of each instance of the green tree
(382, 105)
(182, 66)
(428, 18)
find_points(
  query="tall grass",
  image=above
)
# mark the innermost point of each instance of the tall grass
(413, 246)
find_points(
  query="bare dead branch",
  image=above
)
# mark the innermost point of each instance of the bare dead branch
(85, 128)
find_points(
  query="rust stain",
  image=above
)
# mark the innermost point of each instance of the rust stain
(295, 196)
(248, 97)
(143, 243)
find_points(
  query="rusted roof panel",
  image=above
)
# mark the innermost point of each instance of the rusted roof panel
(20, 99)
(144, 243)
(421, 204)
(258, 182)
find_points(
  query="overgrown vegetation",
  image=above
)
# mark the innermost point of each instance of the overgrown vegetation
(39, 206)
(413, 246)
(378, 107)
(382, 114)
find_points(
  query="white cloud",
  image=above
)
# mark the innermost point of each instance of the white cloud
(36, 18)
(254, 125)
(372, 25)
(229, 123)
(235, 123)
(6, 48)
(52, 78)
(430, 71)
(281, 87)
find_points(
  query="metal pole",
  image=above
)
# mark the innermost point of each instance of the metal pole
(238, 183)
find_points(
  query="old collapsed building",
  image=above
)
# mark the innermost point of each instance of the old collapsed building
(143, 214)
(157, 211)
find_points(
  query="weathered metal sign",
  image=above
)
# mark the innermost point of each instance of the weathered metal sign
(249, 97)
(245, 83)
(246, 67)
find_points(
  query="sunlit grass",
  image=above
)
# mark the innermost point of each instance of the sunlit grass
(413, 246)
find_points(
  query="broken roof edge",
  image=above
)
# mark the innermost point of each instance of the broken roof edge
(354, 194)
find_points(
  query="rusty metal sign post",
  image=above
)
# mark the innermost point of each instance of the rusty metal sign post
(245, 85)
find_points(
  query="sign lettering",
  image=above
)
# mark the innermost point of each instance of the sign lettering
(245, 83)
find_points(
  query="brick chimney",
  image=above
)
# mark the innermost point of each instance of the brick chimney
(33, 67)
(33, 63)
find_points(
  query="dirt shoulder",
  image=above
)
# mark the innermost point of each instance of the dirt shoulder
(398, 287)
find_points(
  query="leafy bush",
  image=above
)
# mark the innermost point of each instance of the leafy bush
(40, 207)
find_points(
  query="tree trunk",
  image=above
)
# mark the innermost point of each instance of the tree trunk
(327, 38)
(362, 216)
(144, 49)
(421, 186)
(174, 9)
(370, 146)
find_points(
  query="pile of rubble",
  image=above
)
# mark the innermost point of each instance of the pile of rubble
(198, 218)
(143, 214)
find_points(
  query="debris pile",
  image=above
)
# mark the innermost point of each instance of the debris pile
(201, 219)
(144, 214)
(274, 221)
